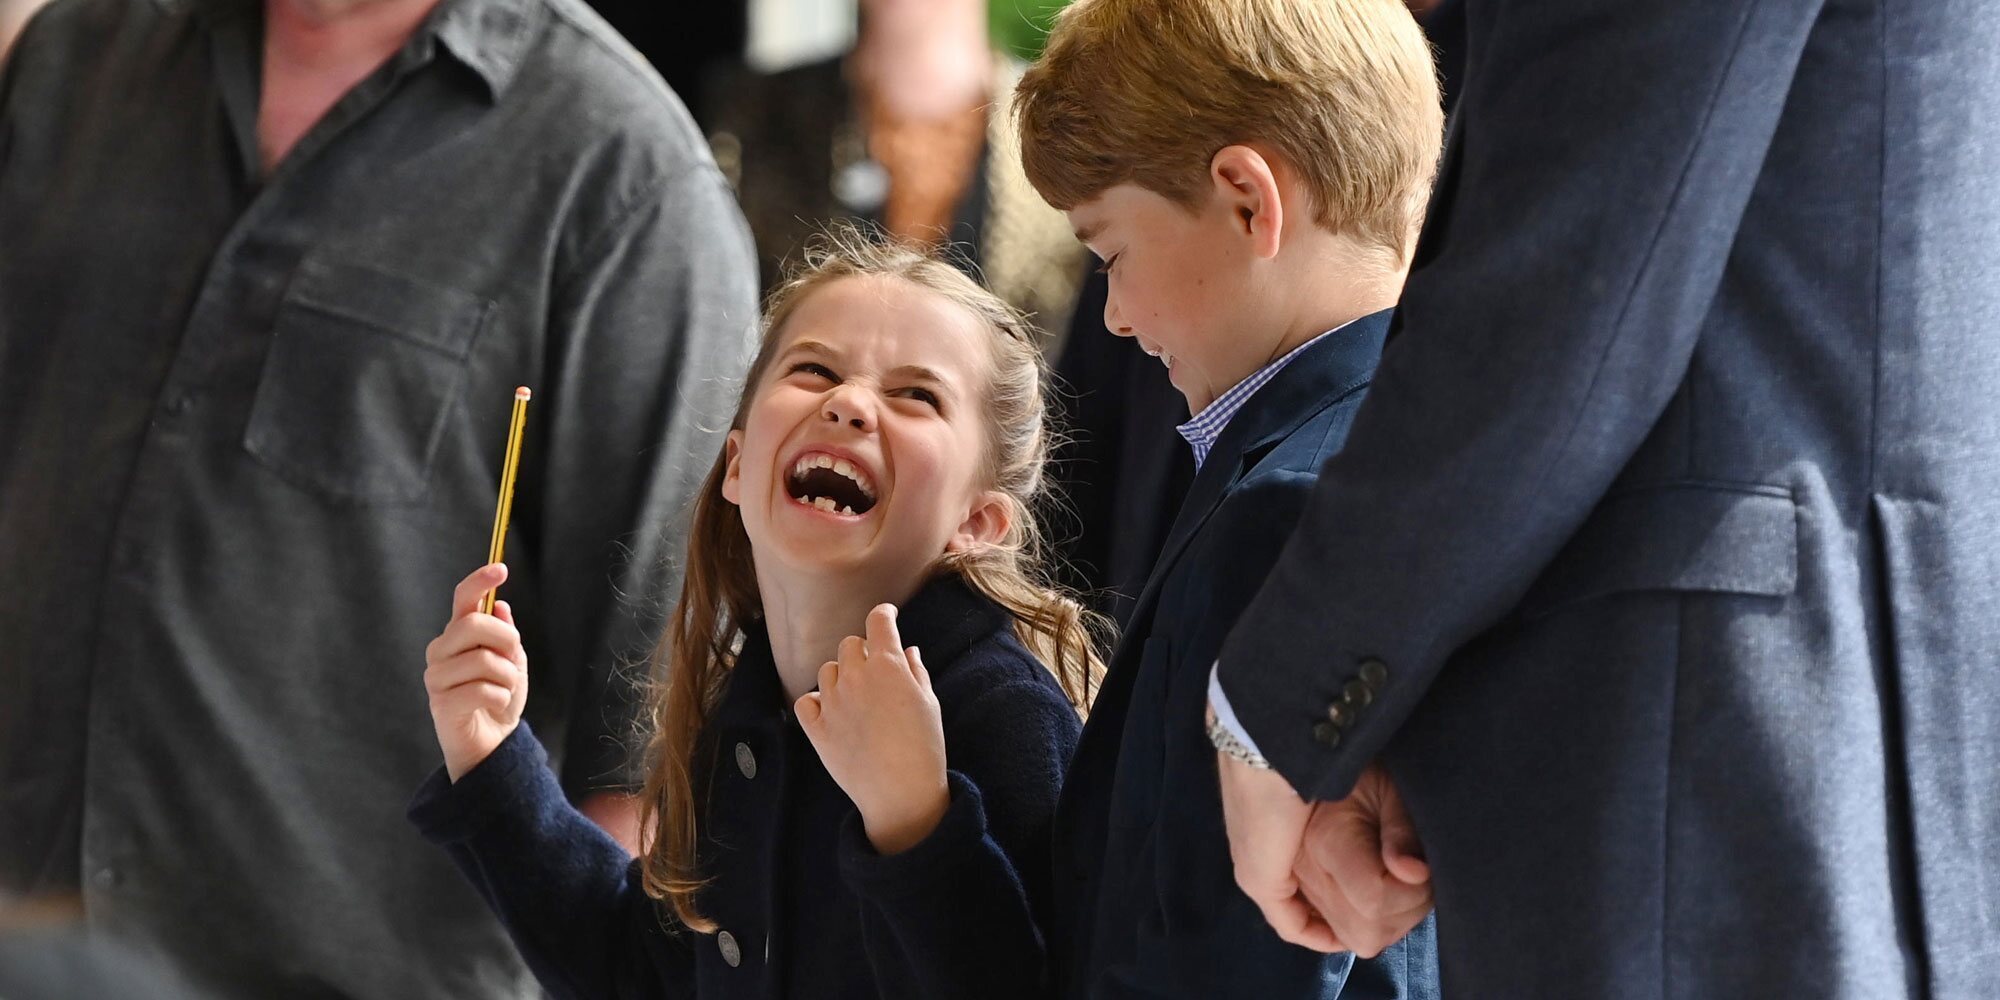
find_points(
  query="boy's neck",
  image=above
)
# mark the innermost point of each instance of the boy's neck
(1328, 290)
(807, 619)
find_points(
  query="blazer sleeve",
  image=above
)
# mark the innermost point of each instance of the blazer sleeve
(569, 895)
(1599, 168)
(958, 913)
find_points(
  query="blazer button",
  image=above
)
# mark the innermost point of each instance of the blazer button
(1341, 714)
(1327, 734)
(1357, 693)
(1374, 672)
(732, 954)
(747, 763)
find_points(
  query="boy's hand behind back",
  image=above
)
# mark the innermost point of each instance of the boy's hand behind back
(876, 725)
(477, 675)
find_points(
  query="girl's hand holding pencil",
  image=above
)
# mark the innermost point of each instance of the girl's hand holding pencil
(477, 674)
(875, 722)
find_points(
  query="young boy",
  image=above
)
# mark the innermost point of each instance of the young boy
(1252, 173)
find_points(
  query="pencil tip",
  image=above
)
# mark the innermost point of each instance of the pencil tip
(521, 392)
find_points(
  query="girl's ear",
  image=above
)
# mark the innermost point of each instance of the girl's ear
(986, 524)
(732, 470)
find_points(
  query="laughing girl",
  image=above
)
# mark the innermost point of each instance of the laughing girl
(863, 544)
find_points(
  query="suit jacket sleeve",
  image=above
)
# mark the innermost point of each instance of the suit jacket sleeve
(1597, 174)
(651, 328)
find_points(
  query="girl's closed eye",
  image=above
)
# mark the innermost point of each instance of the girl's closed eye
(815, 369)
(922, 395)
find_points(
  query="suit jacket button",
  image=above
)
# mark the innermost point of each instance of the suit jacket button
(731, 952)
(1341, 714)
(745, 760)
(1374, 672)
(1357, 693)
(1327, 734)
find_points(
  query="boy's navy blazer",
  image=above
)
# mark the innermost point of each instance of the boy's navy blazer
(1146, 899)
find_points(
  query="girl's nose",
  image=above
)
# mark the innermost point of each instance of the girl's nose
(849, 405)
(1114, 320)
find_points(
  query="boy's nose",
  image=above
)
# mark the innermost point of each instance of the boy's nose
(846, 404)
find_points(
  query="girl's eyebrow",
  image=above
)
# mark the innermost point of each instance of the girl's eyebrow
(812, 347)
(921, 374)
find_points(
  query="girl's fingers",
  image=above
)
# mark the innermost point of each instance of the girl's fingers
(472, 632)
(470, 591)
(882, 637)
(829, 676)
(807, 708)
(484, 695)
(916, 661)
(481, 666)
(852, 652)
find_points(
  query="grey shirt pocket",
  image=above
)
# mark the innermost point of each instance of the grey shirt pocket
(361, 372)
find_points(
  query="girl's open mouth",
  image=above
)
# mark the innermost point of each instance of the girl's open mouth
(830, 484)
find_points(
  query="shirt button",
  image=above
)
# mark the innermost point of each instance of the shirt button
(745, 760)
(1327, 734)
(180, 404)
(732, 954)
(1374, 672)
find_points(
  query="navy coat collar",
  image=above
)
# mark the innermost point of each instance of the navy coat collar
(943, 620)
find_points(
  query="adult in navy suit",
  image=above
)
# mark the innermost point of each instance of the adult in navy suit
(1145, 903)
(1661, 570)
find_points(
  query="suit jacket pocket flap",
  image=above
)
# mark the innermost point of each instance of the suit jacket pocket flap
(1689, 536)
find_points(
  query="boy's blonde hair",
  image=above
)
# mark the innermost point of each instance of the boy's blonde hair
(1147, 91)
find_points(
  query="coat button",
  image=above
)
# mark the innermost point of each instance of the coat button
(731, 953)
(1374, 673)
(746, 761)
(1327, 734)
(1357, 693)
(1340, 714)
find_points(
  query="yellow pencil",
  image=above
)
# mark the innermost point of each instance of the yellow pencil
(505, 509)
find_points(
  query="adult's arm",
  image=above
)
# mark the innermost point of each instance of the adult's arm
(650, 330)
(1596, 178)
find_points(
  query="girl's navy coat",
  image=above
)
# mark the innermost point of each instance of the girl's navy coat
(804, 906)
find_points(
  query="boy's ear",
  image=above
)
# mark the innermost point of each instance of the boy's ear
(732, 469)
(1247, 185)
(986, 524)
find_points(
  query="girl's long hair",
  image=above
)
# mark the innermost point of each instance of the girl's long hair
(719, 592)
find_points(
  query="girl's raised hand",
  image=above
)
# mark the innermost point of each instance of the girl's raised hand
(875, 722)
(477, 674)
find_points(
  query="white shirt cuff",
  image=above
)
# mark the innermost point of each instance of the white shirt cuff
(1223, 713)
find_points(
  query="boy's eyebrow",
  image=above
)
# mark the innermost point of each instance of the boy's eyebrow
(1087, 233)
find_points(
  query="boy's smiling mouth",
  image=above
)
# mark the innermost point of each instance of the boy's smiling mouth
(1166, 358)
(830, 484)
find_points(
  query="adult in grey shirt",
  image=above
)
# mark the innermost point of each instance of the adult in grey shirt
(268, 277)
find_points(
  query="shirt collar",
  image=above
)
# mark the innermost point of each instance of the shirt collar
(490, 37)
(1202, 430)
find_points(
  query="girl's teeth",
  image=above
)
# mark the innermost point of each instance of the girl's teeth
(849, 511)
(845, 468)
(824, 503)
